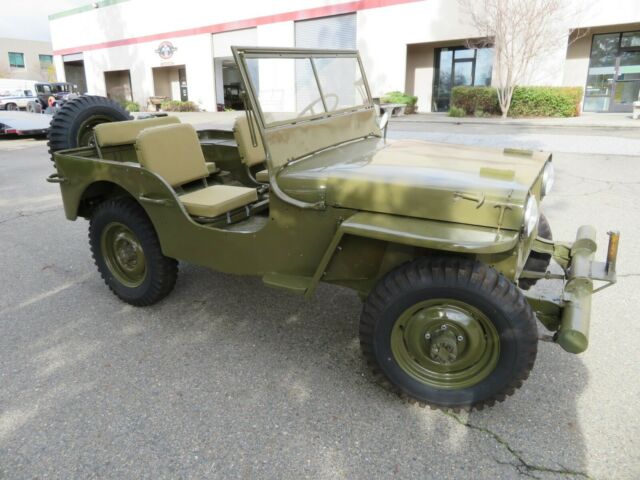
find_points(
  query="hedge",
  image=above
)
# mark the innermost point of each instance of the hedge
(476, 100)
(130, 106)
(399, 97)
(526, 101)
(178, 106)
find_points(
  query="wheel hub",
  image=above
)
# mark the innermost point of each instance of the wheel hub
(443, 347)
(127, 251)
(123, 254)
(445, 343)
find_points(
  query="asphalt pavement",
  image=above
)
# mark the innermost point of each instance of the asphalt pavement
(229, 379)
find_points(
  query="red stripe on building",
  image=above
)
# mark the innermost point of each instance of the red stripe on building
(306, 14)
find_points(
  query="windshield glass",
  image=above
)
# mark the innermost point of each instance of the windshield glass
(288, 89)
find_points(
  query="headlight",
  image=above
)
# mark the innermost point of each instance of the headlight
(548, 176)
(531, 214)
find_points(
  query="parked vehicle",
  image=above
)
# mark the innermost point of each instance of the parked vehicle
(50, 96)
(17, 100)
(441, 242)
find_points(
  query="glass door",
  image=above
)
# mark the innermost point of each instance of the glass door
(462, 73)
(613, 81)
(627, 83)
(459, 66)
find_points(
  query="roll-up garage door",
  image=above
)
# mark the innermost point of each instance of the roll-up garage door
(337, 32)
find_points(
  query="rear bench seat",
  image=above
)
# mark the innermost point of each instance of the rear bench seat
(174, 153)
(125, 133)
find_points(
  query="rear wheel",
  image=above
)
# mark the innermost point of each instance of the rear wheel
(127, 253)
(11, 106)
(72, 126)
(450, 333)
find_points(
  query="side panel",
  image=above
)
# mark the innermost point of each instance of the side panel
(292, 242)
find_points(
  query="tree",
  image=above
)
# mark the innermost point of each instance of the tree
(520, 32)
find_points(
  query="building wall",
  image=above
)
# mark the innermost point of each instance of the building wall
(396, 39)
(31, 49)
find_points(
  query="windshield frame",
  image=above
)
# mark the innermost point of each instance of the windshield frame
(241, 54)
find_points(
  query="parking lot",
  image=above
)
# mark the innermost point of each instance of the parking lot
(229, 379)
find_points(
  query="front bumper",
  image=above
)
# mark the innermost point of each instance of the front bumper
(568, 312)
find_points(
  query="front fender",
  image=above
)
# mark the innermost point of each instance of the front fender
(431, 234)
(416, 232)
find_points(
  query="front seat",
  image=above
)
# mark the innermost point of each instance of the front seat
(174, 153)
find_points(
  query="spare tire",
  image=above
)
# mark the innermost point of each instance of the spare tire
(72, 126)
(34, 107)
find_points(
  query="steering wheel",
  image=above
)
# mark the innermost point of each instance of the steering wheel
(309, 107)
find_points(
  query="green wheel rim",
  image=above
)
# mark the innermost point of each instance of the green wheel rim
(123, 254)
(85, 132)
(445, 343)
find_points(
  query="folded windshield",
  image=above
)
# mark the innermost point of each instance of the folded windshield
(305, 87)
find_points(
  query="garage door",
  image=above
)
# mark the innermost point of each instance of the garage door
(329, 32)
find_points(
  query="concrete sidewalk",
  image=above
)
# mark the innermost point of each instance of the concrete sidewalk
(607, 120)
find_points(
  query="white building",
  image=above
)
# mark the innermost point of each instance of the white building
(136, 49)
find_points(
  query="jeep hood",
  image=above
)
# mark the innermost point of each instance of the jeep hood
(470, 185)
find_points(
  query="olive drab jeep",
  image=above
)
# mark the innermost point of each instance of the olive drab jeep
(442, 242)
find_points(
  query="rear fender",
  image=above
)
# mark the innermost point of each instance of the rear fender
(81, 177)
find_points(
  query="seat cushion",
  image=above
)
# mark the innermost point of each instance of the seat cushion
(217, 199)
(263, 176)
(249, 154)
(124, 133)
(173, 152)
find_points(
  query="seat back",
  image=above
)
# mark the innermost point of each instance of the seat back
(249, 154)
(124, 133)
(173, 152)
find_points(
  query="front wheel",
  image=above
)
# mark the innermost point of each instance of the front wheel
(447, 332)
(127, 253)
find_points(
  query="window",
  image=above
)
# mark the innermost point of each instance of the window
(16, 60)
(45, 61)
(43, 89)
(336, 32)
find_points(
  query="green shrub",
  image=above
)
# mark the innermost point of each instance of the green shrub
(474, 99)
(526, 101)
(178, 106)
(130, 106)
(546, 102)
(399, 97)
(457, 112)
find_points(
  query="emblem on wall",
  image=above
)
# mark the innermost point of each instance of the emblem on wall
(165, 50)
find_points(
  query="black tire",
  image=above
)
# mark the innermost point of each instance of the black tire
(12, 107)
(537, 262)
(464, 281)
(73, 123)
(160, 272)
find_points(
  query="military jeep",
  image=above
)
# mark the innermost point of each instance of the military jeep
(441, 242)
